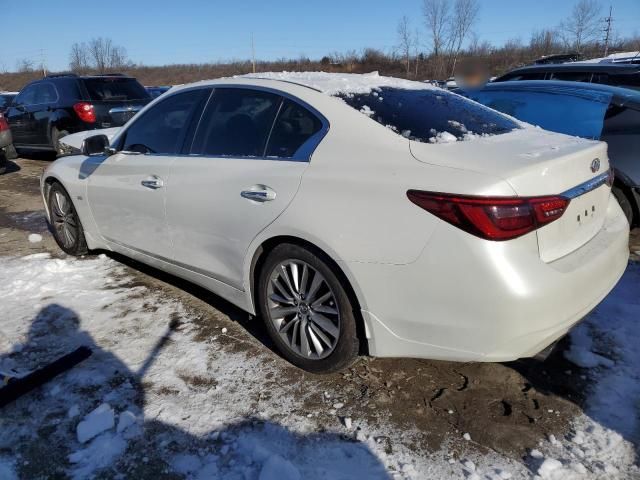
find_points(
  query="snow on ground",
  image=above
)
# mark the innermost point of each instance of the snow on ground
(154, 395)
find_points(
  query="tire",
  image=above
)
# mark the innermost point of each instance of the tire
(56, 135)
(326, 317)
(624, 202)
(65, 223)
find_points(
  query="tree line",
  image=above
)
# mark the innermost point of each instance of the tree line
(432, 44)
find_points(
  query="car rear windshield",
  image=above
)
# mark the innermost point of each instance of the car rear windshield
(115, 89)
(429, 115)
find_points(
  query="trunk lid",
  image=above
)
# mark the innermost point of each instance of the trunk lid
(536, 162)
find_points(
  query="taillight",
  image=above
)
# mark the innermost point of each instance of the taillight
(85, 111)
(3, 123)
(492, 218)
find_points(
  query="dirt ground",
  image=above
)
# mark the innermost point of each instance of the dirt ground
(505, 408)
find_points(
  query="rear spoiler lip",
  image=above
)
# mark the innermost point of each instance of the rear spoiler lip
(587, 186)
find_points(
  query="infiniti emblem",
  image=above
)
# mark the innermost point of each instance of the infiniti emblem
(595, 165)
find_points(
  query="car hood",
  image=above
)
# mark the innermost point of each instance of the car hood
(75, 139)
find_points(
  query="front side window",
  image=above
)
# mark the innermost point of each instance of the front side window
(27, 96)
(429, 115)
(236, 123)
(294, 126)
(162, 128)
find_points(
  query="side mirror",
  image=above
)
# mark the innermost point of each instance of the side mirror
(96, 145)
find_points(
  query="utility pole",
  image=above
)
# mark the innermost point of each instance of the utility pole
(42, 63)
(607, 32)
(253, 54)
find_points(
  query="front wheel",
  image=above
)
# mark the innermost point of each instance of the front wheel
(66, 227)
(307, 311)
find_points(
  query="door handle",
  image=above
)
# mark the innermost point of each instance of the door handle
(259, 193)
(152, 182)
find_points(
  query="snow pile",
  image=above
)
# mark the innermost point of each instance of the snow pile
(96, 422)
(343, 83)
(35, 238)
(607, 343)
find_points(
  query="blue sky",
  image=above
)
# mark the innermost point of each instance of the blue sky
(160, 31)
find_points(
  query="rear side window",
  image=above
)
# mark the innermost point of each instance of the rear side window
(236, 123)
(294, 126)
(162, 128)
(114, 89)
(430, 115)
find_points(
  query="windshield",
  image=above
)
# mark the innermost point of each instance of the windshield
(115, 89)
(580, 114)
(429, 115)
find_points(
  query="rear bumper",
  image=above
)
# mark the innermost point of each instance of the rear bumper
(473, 300)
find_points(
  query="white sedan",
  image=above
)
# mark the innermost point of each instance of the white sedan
(354, 214)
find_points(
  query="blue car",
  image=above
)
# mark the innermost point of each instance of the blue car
(598, 112)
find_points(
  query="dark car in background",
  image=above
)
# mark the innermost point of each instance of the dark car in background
(626, 76)
(48, 109)
(598, 112)
(6, 99)
(155, 92)
(7, 151)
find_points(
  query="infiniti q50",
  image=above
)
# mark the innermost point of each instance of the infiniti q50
(354, 214)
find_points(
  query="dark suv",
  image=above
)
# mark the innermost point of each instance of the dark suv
(625, 76)
(46, 110)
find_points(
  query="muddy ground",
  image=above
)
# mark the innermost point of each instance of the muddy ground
(505, 408)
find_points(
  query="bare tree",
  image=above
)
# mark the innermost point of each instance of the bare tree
(437, 22)
(25, 65)
(544, 42)
(405, 41)
(465, 15)
(583, 25)
(79, 58)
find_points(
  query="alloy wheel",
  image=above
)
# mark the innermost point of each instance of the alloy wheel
(64, 220)
(303, 309)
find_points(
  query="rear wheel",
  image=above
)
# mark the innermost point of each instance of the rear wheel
(66, 228)
(307, 311)
(625, 203)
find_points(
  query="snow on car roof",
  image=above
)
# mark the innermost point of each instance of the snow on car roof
(341, 83)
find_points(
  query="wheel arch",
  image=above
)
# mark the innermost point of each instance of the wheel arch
(344, 276)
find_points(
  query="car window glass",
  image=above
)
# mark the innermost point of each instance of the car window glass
(236, 123)
(571, 76)
(429, 115)
(294, 126)
(624, 80)
(45, 93)
(581, 115)
(115, 89)
(161, 129)
(27, 96)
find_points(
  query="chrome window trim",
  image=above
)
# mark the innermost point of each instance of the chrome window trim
(587, 186)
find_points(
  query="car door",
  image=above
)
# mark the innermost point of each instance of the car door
(245, 167)
(41, 113)
(18, 116)
(126, 190)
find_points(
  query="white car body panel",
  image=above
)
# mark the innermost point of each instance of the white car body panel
(425, 288)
